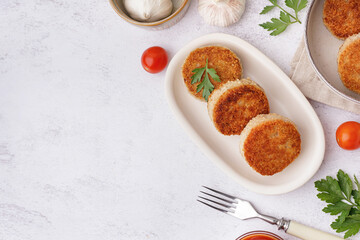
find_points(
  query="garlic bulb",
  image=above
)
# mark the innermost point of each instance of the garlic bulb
(148, 10)
(221, 12)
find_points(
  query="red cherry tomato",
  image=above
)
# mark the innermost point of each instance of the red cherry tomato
(154, 59)
(348, 135)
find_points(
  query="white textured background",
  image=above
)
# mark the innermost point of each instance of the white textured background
(88, 146)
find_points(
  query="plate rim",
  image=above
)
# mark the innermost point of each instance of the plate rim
(197, 139)
(318, 73)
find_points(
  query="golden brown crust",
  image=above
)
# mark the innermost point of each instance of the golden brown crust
(223, 60)
(342, 17)
(237, 106)
(349, 63)
(271, 146)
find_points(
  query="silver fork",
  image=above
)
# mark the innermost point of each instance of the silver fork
(243, 210)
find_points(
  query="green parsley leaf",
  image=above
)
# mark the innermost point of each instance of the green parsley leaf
(356, 196)
(343, 200)
(330, 188)
(278, 25)
(337, 208)
(296, 5)
(345, 183)
(213, 74)
(279, 30)
(355, 217)
(205, 84)
(207, 87)
(285, 17)
(302, 5)
(357, 183)
(198, 74)
(351, 226)
(267, 9)
(292, 4)
(354, 211)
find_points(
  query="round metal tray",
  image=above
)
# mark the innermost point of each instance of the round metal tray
(322, 48)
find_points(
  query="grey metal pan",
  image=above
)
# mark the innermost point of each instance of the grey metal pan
(322, 48)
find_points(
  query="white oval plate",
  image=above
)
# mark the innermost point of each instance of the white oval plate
(284, 98)
(323, 48)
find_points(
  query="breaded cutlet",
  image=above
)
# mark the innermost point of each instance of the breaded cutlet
(223, 60)
(342, 17)
(349, 63)
(234, 104)
(269, 143)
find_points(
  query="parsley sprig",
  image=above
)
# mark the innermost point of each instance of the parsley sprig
(205, 83)
(342, 200)
(278, 25)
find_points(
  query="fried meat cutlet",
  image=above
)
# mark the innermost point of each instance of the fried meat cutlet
(342, 17)
(349, 63)
(234, 104)
(226, 64)
(269, 143)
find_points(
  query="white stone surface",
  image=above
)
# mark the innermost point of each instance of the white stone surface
(89, 148)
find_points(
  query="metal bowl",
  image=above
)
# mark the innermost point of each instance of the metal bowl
(323, 48)
(179, 10)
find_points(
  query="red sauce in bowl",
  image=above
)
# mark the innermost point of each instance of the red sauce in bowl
(259, 235)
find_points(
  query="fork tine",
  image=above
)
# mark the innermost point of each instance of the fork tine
(222, 199)
(221, 193)
(218, 203)
(219, 209)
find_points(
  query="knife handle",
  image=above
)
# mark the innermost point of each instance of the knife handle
(308, 233)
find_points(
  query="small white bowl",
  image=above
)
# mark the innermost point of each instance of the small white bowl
(179, 10)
